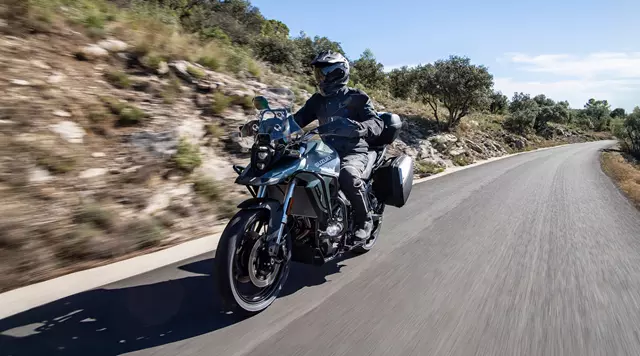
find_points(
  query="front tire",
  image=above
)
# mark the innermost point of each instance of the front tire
(247, 280)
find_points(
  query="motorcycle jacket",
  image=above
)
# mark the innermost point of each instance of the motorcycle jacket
(349, 103)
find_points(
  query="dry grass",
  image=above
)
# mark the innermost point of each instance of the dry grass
(624, 173)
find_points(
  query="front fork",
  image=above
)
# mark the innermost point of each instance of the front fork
(274, 245)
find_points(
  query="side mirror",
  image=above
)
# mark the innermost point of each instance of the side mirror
(261, 103)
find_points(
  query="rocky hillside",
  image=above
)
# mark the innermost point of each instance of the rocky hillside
(105, 154)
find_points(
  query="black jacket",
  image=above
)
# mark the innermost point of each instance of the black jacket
(348, 103)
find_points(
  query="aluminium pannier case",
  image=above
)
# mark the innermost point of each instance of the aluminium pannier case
(393, 181)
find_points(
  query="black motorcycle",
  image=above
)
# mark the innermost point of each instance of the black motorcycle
(298, 212)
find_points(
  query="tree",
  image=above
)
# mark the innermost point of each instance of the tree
(499, 103)
(275, 28)
(618, 113)
(632, 128)
(455, 83)
(402, 82)
(542, 100)
(598, 112)
(523, 112)
(309, 48)
(368, 72)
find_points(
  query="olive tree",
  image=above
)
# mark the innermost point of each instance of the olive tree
(368, 72)
(499, 103)
(402, 82)
(457, 85)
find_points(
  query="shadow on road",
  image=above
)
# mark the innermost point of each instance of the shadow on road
(116, 321)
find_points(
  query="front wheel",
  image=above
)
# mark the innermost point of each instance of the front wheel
(248, 277)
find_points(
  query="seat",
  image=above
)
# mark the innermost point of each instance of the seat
(372, 156)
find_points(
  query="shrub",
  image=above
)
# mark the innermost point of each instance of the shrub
(226, 209)
(214, 130)
(207, 188)
(128, 115)
(254, 69)
(461, 160)
(81, 243)
(245, 101)
(187, 157)
(96, 216)
(152, 61)
(196, 72)
(55, 163)
(171, 91)
(235, 62)
(427, 168)
(220, 103)
(209, 62)
(118, 79)
(144, 233)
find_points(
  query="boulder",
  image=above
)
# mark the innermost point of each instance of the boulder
(40, 64)
(39, 175)
(93, 172)
(113, 45)
(163, 144)
(92, 52)
(163, 68)
(474, 146)
(69, 131)
(181, 69)
(20, 82)
(457, 151)
(61, 113)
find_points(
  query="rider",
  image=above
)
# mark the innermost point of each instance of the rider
(335, 100)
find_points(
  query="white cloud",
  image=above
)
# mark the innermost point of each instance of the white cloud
(614, 76)
(616, 64)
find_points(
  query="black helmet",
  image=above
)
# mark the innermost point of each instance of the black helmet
(331, 71)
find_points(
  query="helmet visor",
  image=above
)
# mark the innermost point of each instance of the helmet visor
(328, 73)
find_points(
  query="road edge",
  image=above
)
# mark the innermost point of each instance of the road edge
(24, 298)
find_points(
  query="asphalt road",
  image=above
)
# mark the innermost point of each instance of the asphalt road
(537, 254)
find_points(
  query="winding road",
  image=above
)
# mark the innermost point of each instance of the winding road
(536, 254)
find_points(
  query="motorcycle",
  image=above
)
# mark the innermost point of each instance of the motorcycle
(297, 211)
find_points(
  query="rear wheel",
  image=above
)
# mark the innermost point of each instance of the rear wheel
(249, 278)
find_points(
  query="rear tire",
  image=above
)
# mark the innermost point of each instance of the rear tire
(234, 245)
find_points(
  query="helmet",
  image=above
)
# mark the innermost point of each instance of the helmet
(331, 71)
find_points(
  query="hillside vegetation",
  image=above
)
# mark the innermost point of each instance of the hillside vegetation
(118, 123)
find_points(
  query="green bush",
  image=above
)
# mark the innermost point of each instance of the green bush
(196, 72)
(209, 62)
(214, 130)
(128, 115)
(427, 168)
(95, 215)
(461, 160)
(187, 157)
(208, 188)
(220, 103)
(171, 91)
(55, 163)
(236, 62)
(118, 79)
(144, 233)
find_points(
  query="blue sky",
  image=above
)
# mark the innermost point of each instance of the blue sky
(569, 50)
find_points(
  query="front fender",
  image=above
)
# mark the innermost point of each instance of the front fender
(273, 206)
